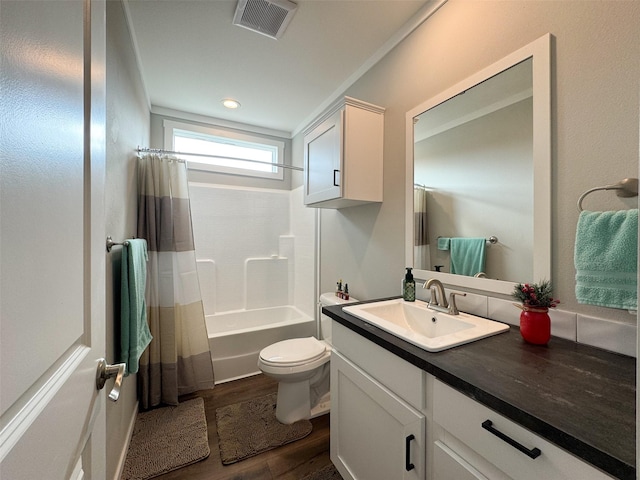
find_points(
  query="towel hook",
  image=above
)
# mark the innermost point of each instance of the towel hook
(625, 188)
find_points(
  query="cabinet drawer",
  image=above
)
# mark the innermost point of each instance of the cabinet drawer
(448, 465)
(463, 418)
(405, 380)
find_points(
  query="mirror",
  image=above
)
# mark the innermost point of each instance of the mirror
(478, 173)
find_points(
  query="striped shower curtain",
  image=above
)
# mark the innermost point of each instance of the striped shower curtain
(421, 257)
(177, 360)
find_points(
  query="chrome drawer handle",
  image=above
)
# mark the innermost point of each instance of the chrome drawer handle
(408, 466)
(533, 453)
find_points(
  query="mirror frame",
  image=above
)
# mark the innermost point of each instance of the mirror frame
(540, 51)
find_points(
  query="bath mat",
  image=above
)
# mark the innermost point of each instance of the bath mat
(326, 473)
(166, 439)
(249, 428)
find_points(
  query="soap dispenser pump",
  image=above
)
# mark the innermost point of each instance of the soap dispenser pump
(409, 287)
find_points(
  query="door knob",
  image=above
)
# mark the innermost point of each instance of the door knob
(106, 371)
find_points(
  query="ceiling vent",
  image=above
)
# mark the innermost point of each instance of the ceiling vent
(268, 17)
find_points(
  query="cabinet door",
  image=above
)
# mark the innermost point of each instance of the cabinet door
(448, 465)
(323, 156)
(374, 434)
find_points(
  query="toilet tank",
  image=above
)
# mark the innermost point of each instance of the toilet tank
(327, 299)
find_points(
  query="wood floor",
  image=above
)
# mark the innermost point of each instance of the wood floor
(289, 462)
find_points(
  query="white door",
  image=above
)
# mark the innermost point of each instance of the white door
(52, 250)
(375, 435)
(323, 157)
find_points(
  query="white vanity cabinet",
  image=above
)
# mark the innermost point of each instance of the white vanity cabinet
(472, 441)
(343, 156)
(376, 433)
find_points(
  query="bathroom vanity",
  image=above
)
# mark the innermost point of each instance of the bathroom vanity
(497, 408)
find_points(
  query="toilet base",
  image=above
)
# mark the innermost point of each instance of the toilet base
(323, 406)
(293, 402)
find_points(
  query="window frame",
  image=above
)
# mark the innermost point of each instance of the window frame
(171, 126)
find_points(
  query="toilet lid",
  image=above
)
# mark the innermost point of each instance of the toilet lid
(295, 351)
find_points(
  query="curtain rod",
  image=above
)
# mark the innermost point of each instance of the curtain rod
(171, 152)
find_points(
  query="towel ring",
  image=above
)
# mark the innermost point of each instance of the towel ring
(625, 188)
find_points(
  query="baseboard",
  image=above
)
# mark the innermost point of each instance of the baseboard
(125, 449)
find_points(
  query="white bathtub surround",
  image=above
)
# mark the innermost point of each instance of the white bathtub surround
(266, 282)
(255, 252)
(270, 227)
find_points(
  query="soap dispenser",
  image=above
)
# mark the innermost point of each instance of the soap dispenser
(409, 287)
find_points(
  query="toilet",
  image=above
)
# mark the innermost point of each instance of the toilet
(301, 367)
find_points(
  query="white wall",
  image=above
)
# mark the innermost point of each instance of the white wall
(595, 72)
(127, 127)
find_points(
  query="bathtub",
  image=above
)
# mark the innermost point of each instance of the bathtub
(236, 337)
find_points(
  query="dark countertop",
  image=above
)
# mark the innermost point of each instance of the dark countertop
(578, 397)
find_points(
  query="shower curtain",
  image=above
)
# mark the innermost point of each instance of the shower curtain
(421, 237)
(177, 360)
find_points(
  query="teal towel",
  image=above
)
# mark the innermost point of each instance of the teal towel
(468, 255)
(444, 243)
(606, 259)
(134, 329)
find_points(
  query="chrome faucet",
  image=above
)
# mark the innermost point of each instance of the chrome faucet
(437, 291)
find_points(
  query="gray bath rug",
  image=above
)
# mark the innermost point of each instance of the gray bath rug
(249, 428)
(166, 439)
(327, 473)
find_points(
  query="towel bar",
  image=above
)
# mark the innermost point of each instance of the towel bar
(492, 239)
(111, 243)
(625, 188)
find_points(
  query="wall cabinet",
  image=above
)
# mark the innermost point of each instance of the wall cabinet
(375, 434)
(343, 156)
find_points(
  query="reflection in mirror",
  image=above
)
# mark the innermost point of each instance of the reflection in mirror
(478, 166)
(473, 180)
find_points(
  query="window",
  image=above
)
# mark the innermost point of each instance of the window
(231, 153)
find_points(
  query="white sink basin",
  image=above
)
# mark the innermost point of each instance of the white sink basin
(428, 329)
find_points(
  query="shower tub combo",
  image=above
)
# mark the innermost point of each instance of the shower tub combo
(236, 337)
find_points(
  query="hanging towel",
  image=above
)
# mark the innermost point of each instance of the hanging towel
(467, 255)
(134, 330)
(606, 259)
(444, 243)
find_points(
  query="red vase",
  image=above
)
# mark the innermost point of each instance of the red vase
(535, 325)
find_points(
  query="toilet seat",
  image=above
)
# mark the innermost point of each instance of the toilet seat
(293, 352)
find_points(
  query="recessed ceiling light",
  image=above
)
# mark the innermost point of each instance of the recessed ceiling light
(231, 103)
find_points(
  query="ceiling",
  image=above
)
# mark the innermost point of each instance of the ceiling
(191, 56)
